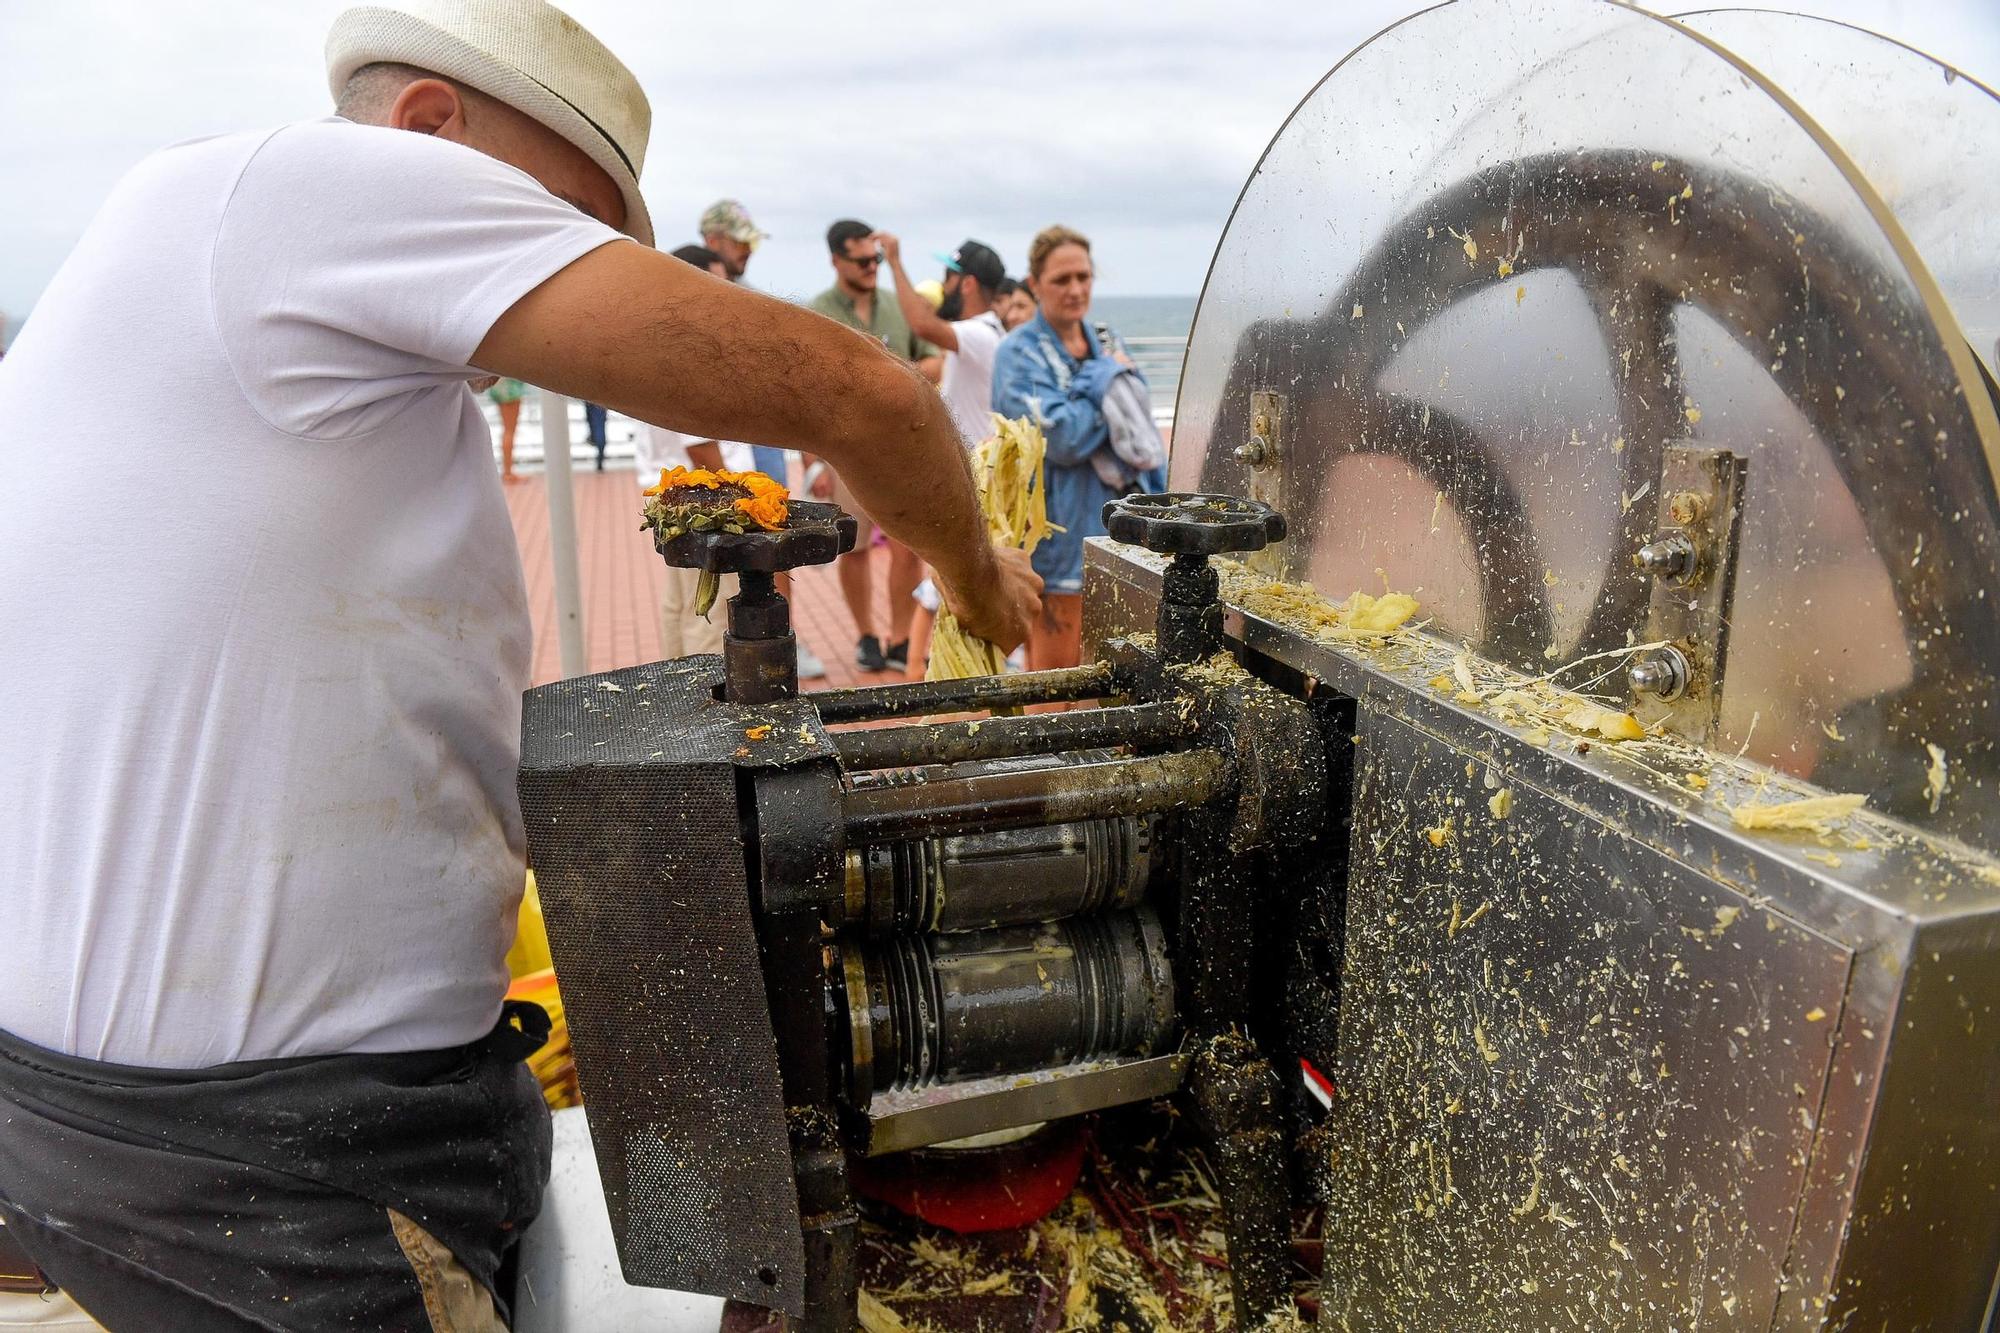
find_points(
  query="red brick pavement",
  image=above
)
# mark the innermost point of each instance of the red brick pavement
(621, 578)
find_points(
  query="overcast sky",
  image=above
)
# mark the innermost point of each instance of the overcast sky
(1135, 122)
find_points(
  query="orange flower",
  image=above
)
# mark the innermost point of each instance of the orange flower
(766, 505)
(671, 477)
(765, 511)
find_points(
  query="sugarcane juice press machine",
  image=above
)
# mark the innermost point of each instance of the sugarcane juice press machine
(1636, 897)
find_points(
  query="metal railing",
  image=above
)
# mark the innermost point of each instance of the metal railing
(1159, 360)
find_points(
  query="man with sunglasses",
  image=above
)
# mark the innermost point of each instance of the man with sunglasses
(855, 302)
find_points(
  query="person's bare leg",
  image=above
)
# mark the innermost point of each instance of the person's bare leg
(920, 642)
(857, 588)
(906, 571)
(1056, 638)
(510, 417)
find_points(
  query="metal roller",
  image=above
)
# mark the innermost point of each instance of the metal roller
(930, 1009)
(1012, 877)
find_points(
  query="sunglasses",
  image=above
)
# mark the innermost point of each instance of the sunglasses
(866, 261)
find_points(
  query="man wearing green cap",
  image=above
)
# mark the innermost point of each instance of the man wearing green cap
(726, 228)
(260, 851)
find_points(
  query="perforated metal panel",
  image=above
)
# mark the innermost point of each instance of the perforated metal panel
(629, 786)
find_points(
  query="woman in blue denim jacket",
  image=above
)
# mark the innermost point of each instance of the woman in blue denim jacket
(1055, 371)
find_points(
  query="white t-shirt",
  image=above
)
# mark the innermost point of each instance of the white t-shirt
(656, 447)
(262, 717)
(967, 382)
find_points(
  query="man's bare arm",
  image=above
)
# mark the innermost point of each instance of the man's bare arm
(660, 340)
(917, 312)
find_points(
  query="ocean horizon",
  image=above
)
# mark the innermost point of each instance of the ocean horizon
(1146, 316)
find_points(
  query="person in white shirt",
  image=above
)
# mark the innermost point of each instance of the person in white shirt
(967, 327)
(964, 326)
(260, 847)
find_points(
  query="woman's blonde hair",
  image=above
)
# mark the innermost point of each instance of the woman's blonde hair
(1046, 242)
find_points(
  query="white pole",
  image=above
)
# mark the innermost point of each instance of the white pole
(562, 530)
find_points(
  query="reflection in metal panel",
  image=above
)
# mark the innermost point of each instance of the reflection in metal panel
(1866, 987)
(1503, 257)
(1911, 123)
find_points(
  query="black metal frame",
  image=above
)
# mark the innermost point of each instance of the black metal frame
(1222, 767)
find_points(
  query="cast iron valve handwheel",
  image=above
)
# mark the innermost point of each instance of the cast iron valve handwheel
(1192, 523)
(760, 655)
(1191, 527)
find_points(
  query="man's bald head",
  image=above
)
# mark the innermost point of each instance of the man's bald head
(404, 97)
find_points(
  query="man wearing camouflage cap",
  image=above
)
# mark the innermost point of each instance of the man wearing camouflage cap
(726, 228)
(260, 851)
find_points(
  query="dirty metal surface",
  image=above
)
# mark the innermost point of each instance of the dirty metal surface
(1506, 253)
(1579, 1080)
(904, 1118)
(1896, 1226)
(1700, 496)
(629, 795)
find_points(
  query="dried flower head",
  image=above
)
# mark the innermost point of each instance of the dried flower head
(724, 499)
(688, 500)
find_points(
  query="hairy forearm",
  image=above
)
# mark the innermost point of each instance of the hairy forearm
(901, 458)
(661, 341)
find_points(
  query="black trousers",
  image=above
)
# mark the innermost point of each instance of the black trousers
(258, 1195)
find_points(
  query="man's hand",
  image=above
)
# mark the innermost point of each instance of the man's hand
(1000, 606)
(892, 249)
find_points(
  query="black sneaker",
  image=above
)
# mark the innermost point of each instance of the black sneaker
(898, 656)
(868, 654)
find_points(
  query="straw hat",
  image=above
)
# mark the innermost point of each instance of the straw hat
(526, 53)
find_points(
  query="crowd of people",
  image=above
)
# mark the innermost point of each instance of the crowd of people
(1022, 347)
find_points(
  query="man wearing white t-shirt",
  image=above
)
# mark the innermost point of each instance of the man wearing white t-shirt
(968, 328)
(260, 848)
(964, 325)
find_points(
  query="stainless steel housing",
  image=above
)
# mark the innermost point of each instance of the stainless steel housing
(1606, 1059)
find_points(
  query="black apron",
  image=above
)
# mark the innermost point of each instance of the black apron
(255, 1195)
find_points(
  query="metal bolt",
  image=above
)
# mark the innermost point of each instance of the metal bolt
(1669, 556)
(1660, 672)
(1255, 451)
(1687, 507)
